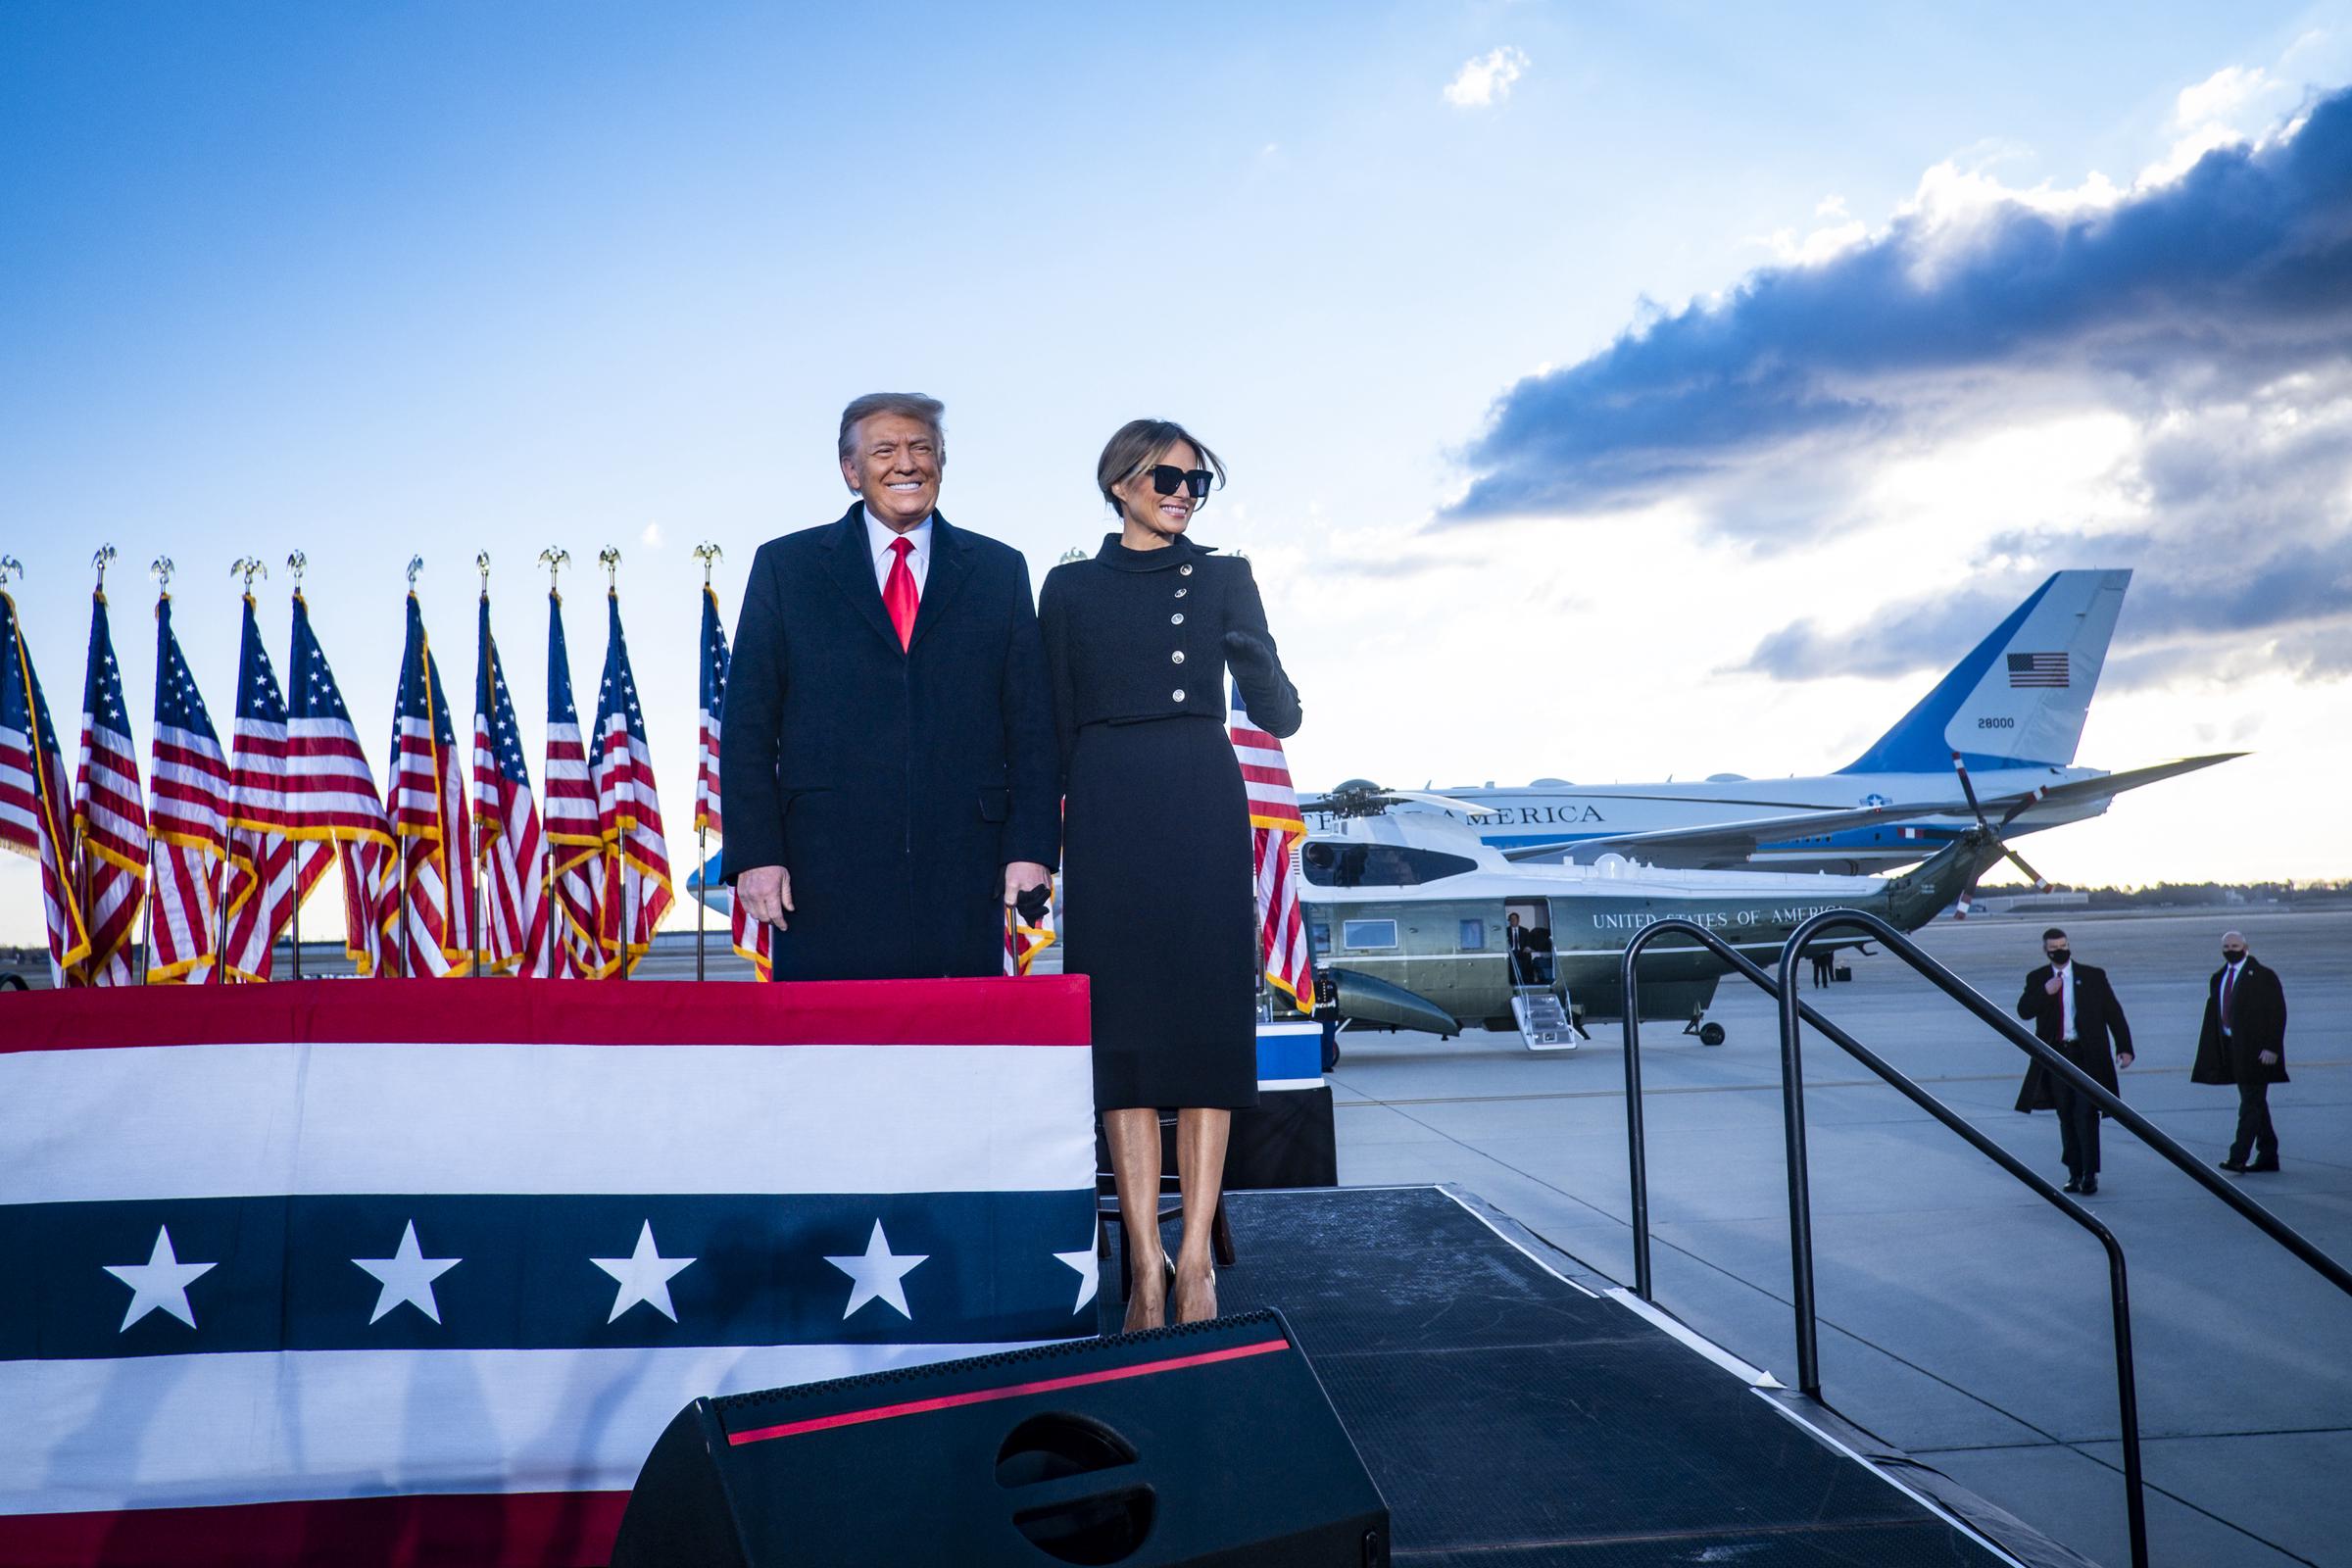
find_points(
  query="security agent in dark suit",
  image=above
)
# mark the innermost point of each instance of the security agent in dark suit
(2244, 1043)
(2073, 1012)
(887, 753)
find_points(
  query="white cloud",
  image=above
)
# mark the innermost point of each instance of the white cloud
(1487, 80)
(652, 537)
(2219, 96)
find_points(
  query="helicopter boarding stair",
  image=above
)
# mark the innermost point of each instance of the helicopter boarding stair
(1541, 1015)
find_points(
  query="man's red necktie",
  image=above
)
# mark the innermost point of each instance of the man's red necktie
(898, 591)
(2228, 985)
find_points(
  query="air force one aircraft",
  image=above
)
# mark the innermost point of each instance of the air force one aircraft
(1998, 734)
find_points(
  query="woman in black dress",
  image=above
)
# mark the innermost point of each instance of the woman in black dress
(1156, 850)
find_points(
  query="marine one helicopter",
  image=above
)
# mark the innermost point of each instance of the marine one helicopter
(1412, 916)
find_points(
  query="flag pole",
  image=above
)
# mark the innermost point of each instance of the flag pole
(481, 841)
(709, 554)
(610, 559)
(296, 563)
(554, 560)
(160, 570)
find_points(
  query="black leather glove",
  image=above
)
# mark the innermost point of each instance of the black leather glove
(1031, 904)
(1250, 655)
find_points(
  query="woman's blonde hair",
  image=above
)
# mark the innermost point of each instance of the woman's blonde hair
(1131, 449)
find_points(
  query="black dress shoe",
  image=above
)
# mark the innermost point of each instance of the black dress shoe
(2234, 1165)
(2090, 1185)
(2264, 1164)
(2072, 1184)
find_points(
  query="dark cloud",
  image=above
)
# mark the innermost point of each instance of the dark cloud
(2236, 274)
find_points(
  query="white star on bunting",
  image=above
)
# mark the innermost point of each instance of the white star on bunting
(408, 1276)
(160, 1281)
(644, 1276)
(879, 1274)
(1089, 1274)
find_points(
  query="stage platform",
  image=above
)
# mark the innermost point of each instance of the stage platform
(1518, 1409)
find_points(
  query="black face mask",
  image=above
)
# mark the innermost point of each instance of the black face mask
(2231, 958)
(2058, 957)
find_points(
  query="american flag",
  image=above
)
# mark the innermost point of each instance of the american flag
(332, 796)
(1276, 829)
(110, 815)
(269, 873)
(753, 939)
(188, 821)
(628, 809)
(2037, 669)
(434, 931)
(575, 848)
(36, 800)
(513, 855)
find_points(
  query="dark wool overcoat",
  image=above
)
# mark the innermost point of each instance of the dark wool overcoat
(2257, 1023)
(893, 784)
(2100, 1032)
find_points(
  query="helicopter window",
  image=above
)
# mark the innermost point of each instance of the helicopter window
(1368, 934)
(1378, 865)
(1474, 935)
(1319, 932)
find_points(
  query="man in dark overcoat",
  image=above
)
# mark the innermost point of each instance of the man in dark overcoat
(2244, 1043)
(887, 754)
(2073, 1012)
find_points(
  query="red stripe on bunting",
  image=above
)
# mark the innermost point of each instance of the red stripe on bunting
(543, 1529)
(1033, 1011)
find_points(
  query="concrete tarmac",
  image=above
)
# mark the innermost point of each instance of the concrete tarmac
(1962, 1318)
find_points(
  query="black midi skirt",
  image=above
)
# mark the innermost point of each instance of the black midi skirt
(1161, 914)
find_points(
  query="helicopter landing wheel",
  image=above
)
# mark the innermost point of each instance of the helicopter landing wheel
(1710, 1034)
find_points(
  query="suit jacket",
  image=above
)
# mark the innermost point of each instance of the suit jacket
(892, 784)
(2100, 1032)
(2257, 1023)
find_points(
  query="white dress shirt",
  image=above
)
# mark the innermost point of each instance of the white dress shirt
(878, 539)
(2066, 1004)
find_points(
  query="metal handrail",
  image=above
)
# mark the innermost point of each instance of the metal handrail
(1960, 990)
(1800, 1200)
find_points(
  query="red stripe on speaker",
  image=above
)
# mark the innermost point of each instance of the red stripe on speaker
(485, 1529)
(949, 1402)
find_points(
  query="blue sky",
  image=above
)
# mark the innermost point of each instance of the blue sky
(383, 280)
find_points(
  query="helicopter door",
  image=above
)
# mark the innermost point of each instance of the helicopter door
(1527, 931)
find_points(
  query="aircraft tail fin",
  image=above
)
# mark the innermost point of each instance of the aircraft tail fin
(2021, 696)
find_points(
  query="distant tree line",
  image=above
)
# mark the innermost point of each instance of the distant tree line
(2197, 894)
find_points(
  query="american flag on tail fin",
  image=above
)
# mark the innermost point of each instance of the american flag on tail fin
(188, 820)
(753, 939)
(332, 796)
(268, 872)
(37, 800)
(1276, 829)
(628, 808)
(513, 854)
(434, 932)
(110, 816)
(576, 846)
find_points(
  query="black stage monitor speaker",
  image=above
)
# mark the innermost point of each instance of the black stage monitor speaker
(1209, 1443)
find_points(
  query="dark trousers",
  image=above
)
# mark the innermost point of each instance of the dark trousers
(2255, 1134)
(2078, 1128)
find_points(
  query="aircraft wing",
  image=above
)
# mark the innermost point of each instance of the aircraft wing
(2106, 784)
(1716, 844)
(1719, 844)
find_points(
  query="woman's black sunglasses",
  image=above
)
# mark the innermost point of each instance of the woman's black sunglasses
(1167, 480)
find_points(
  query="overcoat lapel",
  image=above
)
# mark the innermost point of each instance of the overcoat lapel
(951, 564)
(854, 572)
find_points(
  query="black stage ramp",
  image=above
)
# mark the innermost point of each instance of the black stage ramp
(1513, 1417)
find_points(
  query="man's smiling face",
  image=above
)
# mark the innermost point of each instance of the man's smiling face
(895, 469)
